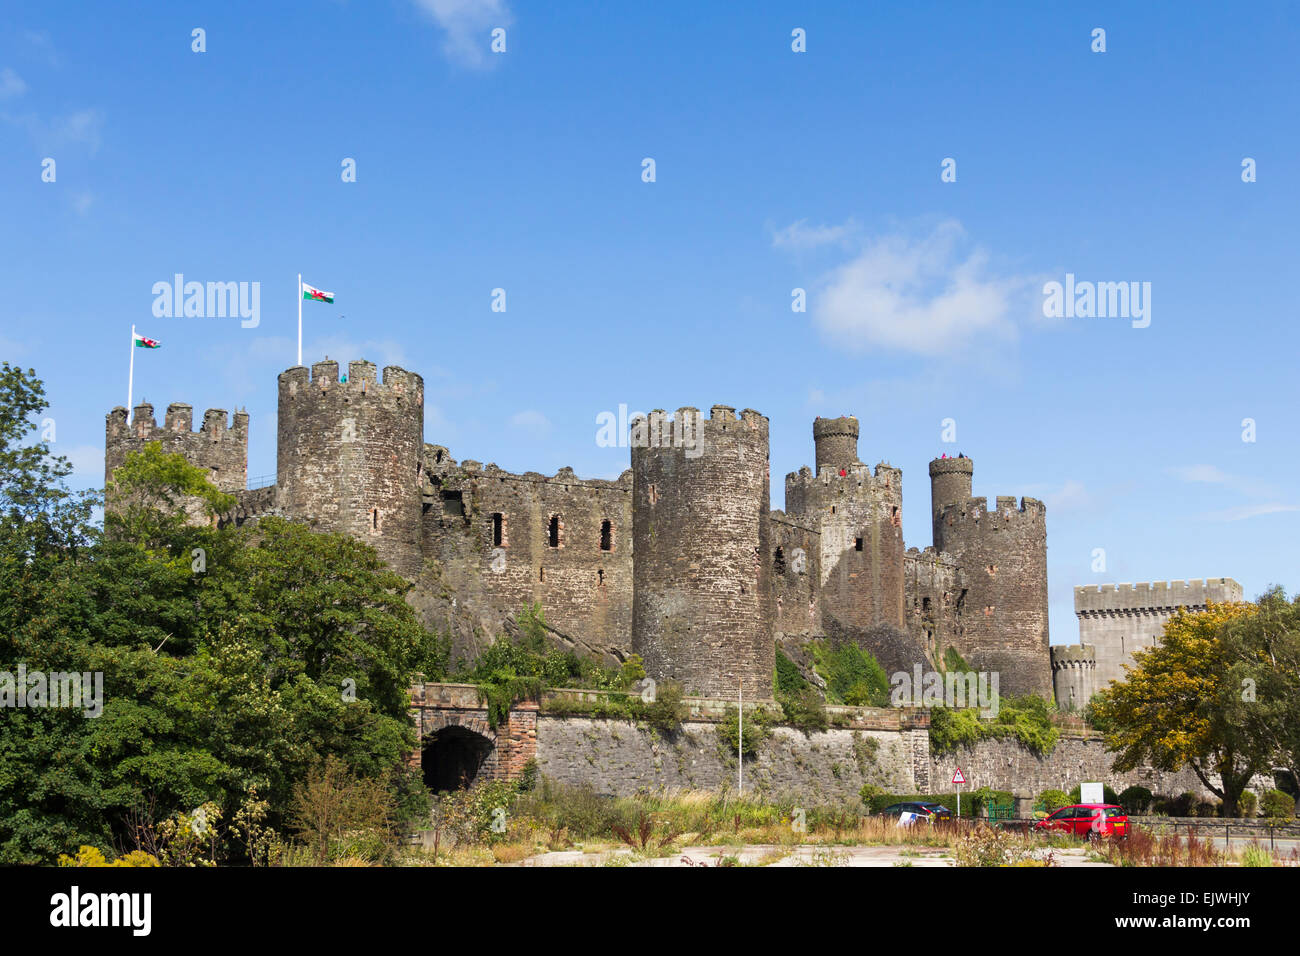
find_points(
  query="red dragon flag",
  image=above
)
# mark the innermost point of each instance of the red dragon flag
(316, 295)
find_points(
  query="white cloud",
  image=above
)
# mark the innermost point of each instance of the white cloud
(800, 236)
(921, 295)
(1202, 473)
(11, 84)
(531, 419)
(468, 25)
(1072, 496)
(87, 461)
(1248, 511)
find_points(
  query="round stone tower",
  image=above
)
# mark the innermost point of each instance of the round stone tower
(349, 455)
(701, 596)
(836, 442)
(950, 482)
(1003, 551)
(1074, 675)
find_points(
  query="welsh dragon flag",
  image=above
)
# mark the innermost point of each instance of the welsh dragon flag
(316, 295)
(143, 343)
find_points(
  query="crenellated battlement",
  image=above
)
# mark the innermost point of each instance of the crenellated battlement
(1158, 597)
(694, 435)
(361, 380)
(220, 445)
(1073, 655)
(437, 461)
(974, 513)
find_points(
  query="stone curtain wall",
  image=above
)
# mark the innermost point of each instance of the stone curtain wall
(492, 566)
(618, 758)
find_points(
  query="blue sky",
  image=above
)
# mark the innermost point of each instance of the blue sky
(775, 170)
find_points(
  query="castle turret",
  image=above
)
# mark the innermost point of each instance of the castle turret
(1074, 675)
(348, 455)
(701, 600)
(836, 441)
(950, 483)
(218, 448)
(1003, 551)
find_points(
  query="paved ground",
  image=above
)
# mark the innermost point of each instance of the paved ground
(771, 855)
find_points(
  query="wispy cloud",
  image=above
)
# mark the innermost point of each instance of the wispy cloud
(800, 236)
(532, 420)
(1213, 475)
(82, 127)
(1242, 512)
(11, 84)
(929, 295)
(467, 25)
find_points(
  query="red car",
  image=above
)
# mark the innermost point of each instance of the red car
(1087, 820)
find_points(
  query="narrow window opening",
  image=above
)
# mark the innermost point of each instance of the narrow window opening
(606, 536)
(553, 532)
(778, 561)
(541, 574)
(857, 544)
(374, 519)
(498, 528)
(600, 578)
(925, 605)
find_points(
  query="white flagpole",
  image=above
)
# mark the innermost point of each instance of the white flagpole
(130, 377)
(299, 318)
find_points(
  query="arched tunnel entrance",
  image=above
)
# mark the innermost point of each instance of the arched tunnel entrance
(452, 758)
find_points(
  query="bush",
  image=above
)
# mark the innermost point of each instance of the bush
(1278, 805)
(1054, 800)
(667, 711)
(853, 676)
(757, 729)
(1135, 799)
(805, 710)
(1248, 805)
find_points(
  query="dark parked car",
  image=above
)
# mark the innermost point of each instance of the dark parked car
(927, 811)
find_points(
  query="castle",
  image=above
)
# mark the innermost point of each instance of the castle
(680, 560)
(1116, 621)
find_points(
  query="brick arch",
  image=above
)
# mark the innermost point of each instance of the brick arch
(475, 723)
(434, 721)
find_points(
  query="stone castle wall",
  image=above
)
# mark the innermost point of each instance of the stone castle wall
(488, 542)
(1118, 620)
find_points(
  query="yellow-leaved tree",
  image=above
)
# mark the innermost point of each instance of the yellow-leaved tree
(1175, 707)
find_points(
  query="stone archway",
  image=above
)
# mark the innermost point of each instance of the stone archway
(456, 750)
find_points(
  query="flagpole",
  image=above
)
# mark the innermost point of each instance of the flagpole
(130, 376)
(299, 318)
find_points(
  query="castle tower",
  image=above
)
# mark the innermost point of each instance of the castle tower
(219, 448)
(348, 457)
(836, 442)
(1074, 673)
(858, 517)
(1004, 553)
(701, 599)
(1119, 619)
(950, 483)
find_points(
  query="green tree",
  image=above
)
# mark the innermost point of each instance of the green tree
(1177, 707)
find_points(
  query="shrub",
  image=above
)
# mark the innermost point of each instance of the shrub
(1054, 799)
(667, 711)
(758, 725)
(1248, 805)
(1278, 805)
(1135, 799)
(853, 676)
(805, 710)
